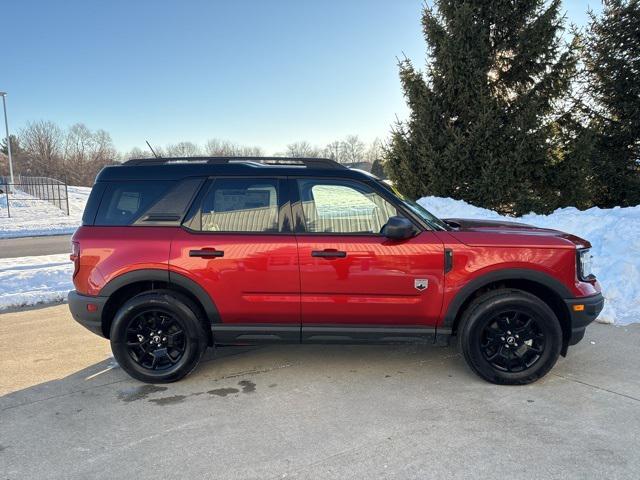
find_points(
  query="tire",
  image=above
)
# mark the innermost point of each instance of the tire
(147, 353)
(501, 345)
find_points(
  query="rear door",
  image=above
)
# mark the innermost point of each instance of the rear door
(350, 274)
(238, 244)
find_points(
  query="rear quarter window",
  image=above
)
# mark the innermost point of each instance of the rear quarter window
(123, 203)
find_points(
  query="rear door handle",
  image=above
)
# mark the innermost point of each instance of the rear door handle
(328, 253)
(206, 253)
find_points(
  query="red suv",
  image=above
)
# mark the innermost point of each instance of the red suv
(175, 255)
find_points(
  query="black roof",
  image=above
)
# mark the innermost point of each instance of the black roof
(176, 168)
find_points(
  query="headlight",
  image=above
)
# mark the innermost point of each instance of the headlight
(584, 265)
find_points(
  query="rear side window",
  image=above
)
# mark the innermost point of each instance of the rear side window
(240, 205)
(123, 203)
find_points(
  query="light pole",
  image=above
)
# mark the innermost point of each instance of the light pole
(6, 126)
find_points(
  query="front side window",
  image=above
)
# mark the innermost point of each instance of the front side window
(342, 206)
(240, 205)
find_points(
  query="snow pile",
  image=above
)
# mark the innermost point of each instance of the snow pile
(614, 234)
(33, 280)
(29, 218)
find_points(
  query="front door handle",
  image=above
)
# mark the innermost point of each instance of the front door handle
(328, 253)
(206, 253)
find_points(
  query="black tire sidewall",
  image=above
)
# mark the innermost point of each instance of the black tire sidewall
(174, 305)
(485, 309)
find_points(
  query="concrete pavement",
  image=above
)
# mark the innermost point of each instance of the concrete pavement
(29, 246)
(311, 412)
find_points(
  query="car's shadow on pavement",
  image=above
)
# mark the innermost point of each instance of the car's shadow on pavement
(333, 364)
(225, 363)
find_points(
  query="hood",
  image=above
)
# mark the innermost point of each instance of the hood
(500, 232)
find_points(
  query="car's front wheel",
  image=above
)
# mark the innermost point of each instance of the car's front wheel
(509, 336)
(157, 337)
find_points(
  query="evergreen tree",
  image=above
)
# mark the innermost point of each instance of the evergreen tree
(17, 155)
(377, 168)
(483, 117)
(612, 59)
(15, 145)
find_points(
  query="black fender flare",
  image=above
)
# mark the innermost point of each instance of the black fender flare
(465, 292)
(169, 277)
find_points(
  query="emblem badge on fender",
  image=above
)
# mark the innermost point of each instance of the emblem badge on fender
(421, 283)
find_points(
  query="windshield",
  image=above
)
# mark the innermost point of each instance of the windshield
(419, 210)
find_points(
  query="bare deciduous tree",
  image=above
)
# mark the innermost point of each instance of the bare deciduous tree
(334, 151)
(302, 149)
(77, 154)
(42, 142)
(137, 152)
(375, 151)
(85, 153)
(183, 149)
(223, 148)
(352, 149)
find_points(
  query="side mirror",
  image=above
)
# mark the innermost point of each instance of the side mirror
(398, 228)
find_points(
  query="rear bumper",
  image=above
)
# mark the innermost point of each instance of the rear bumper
(593, 305)
(78, 307)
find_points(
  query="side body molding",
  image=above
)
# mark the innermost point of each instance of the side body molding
(495, 276)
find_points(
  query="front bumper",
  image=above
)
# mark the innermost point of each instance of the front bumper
(91, 320)
(593, 305)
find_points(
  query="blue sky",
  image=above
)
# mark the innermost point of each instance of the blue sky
(264, 73)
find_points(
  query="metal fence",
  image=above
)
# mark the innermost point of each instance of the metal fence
(34, 189)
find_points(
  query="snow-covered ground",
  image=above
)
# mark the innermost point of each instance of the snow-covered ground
(30, 218)
(614, 234)
(33, 280)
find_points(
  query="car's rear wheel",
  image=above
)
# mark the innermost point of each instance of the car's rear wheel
(510, 336)
(157, 337)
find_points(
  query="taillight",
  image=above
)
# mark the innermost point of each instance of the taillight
(75, 257)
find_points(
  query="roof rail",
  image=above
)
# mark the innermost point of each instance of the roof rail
(255, 161)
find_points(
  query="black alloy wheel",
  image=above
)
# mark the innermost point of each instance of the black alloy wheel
(512, 341)
(158, 336)
(156, 339)
(510, 336)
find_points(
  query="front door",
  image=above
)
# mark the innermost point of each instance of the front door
(351, 275)
(238, 246)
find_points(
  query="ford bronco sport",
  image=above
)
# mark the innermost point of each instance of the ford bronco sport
(175, 255)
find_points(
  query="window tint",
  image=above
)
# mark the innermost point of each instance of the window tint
(241, 205)
(170, 209)
(335, 206)
(123, 203)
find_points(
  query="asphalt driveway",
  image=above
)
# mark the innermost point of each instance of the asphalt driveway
(68, 411)
(28, 246)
